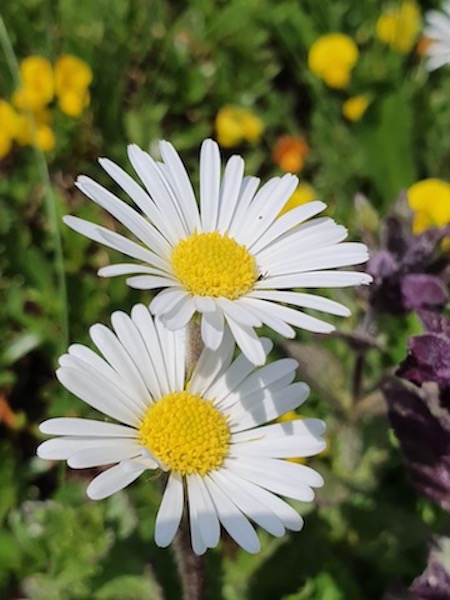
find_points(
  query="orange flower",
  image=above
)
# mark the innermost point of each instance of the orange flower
(289, 153)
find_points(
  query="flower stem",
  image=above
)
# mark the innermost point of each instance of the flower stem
(191, 567)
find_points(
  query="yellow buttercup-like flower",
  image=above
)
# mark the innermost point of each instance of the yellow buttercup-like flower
(35, 130)
(429, 199)
(72, 79)
(332, 58)
(37, 86)
(399, 26)
(8, 127)
(235, 125)
(303, 194)
(354, 107)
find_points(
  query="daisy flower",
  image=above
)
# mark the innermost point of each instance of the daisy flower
(230, 258)
(437, 30)
(208, 432)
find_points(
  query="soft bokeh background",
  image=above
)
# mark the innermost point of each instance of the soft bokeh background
(238, 71)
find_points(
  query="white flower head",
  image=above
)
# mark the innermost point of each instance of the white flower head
(230, 258)
(209, 432)
(437, 30)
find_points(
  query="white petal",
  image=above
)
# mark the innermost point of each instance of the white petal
(246, 194)
(117, 356)
(288, 515)
(266, 406)
(148, 282)
(198, 545)
(138, 463)
(340, 255)
(209, 184)
(204, 518)
(248, 342)
(182, 186)
(211, 366)
(129, 185)
(212, 328)
(146, 327)
(299, 318)
(128, 269)
(305, 300)
(96, 457)
(237, 525)
(238, 312)
(316, 280)
(166, 300)
(179, 315)
(266, 207)
(204, 304)
(263, 311)
(248, 503)
(164, 213)
(99, 393)
(227, 382)
(85, 427)
(62, 448)
(138, 226)
(274, 481)
(112, 240)
(268, 377)
(230, 191)
(286, 222)
(111, 481)
(170, 511)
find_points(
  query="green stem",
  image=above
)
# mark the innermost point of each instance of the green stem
(49, 197)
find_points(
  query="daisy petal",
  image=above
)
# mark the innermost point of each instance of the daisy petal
(212, 328)
(248, 503)
(111, 481)
(85, 427)
(248, 342)
(232, 519)
(170, 511)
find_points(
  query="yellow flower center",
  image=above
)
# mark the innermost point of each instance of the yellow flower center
(186, 433)
(212, 264)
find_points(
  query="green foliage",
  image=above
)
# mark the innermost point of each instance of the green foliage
(163, 69)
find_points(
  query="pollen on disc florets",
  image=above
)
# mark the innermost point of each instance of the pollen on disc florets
(186, 433)
(212, 264)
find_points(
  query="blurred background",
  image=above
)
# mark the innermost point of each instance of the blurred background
(338, 92)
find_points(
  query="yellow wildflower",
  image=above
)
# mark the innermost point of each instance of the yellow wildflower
(354, 107)
(429, 199)
(235, 125)
(289, 153)
(35, 130)
(399, 26)
(72, 79)
(303, 194)
(332, 58)
(8, 127)
(37, 84)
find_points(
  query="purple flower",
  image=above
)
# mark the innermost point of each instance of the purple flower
(434, 583)
(421, 422)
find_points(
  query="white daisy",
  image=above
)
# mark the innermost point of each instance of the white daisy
(233, 259)
(209, 432)
(437, 30)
